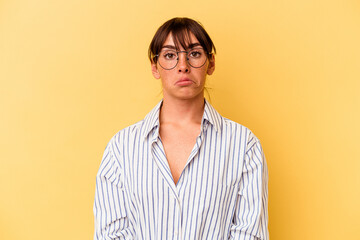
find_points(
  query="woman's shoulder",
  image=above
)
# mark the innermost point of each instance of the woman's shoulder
(239, 131)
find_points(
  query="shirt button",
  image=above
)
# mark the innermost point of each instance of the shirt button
(176, 232)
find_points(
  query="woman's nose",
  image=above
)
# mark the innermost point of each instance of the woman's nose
(183, 64)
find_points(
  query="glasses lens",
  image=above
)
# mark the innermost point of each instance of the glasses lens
(168, 59)
(197, 57)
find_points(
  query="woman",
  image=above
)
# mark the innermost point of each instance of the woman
(184, 172)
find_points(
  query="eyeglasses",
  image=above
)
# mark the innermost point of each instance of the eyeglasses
(169, 58)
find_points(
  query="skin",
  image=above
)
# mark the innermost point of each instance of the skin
(183, 107)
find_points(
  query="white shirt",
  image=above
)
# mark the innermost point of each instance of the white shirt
(222, 192)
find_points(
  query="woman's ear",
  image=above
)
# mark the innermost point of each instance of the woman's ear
(155, 70)
(211, 66)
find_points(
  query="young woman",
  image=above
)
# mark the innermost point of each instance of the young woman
(184, 172)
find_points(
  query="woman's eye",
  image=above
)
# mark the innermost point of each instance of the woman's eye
(195, 54)
(170, 56)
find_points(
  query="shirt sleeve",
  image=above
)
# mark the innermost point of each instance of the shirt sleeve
(110, 210)
(250, 221)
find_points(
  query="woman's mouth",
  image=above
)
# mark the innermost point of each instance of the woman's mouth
(184, 82)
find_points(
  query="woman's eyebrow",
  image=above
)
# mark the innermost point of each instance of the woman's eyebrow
(192, 45)
(169, 46)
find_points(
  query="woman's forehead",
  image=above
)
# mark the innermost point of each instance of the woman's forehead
(184, 40)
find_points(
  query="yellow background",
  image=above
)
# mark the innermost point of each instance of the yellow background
(73, 73)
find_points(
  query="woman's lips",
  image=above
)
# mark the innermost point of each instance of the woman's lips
(184, 82)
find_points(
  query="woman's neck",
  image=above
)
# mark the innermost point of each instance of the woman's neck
(182, 111)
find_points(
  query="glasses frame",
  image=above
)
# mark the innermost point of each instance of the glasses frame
(187, 59)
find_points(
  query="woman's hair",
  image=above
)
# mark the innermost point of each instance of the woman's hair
(180, 29)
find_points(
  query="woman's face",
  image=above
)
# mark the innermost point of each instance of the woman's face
(183, 81)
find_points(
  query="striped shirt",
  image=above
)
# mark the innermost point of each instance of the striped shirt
(222, 192)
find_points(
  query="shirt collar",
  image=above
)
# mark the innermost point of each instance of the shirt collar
(212, 116)
(151, 120)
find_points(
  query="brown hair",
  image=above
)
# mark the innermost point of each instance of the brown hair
(180, 29)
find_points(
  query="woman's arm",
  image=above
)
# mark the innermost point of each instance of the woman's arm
(250, 221)
(110, 210)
